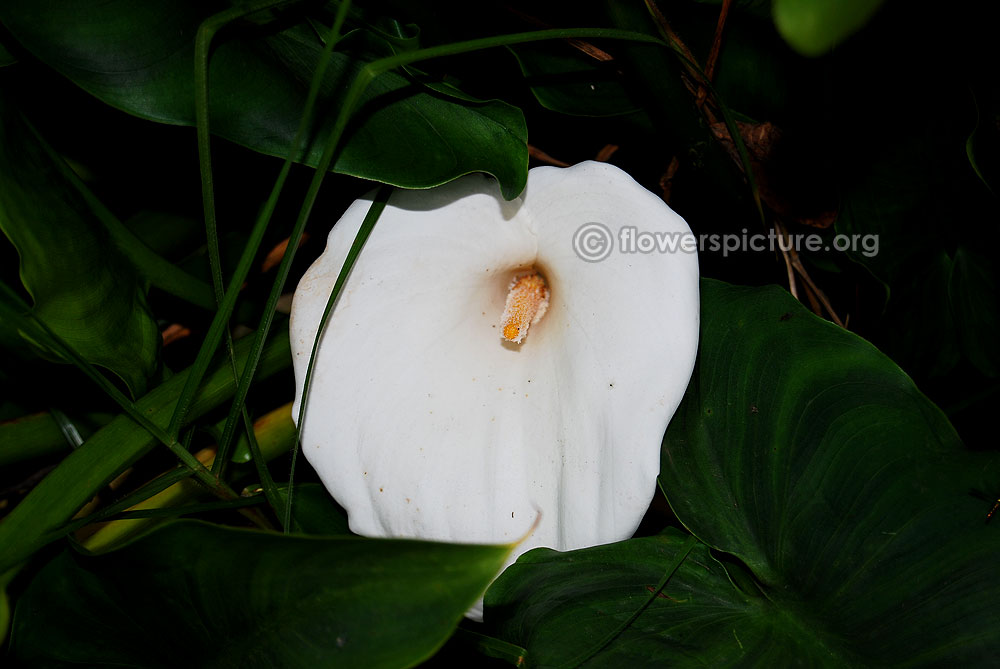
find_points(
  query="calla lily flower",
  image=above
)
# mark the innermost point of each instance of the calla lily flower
(490, 362)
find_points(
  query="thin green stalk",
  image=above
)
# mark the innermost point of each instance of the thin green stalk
(42, 333)
(57, 497)
(154, 487)
(276, 433)
(14, 309)
(219, 323)
(243, 387)
(202, 46)
(187, 509)
(119, 510)
(203, 41)
(238, 405)
(367, 225)
(458, 48)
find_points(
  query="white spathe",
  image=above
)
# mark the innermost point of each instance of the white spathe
(423, 422)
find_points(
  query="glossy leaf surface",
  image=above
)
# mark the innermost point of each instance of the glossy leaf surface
(249, 599)
(560, 605)
(811, 457)
(82, 286)
(139, 56)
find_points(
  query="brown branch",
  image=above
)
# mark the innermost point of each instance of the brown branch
(605, 153)
(585, 47)
(538, 154)
(792, 288)
(713, 54)
(813, 292)
(666, 181)
(813, 303)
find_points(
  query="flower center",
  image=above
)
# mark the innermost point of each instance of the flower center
(527, 300)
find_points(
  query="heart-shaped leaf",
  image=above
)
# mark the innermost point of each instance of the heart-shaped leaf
(809, 455)
(560, 606)
(250, 599)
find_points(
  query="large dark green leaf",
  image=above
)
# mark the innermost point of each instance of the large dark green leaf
(193, 594)
(138, 56)
(810, 456)
(559, 605)
(83, 287)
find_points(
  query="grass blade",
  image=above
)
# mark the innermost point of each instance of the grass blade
(111, 450)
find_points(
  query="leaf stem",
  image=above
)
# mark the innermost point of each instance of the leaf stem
(367, 225)
(244, 381)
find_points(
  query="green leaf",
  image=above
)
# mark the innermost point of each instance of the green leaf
(566, 80)
(83, 287)
(40, 516)
(813, 27)
(807, 454)
(138, 56)
(251, 599)
(557, 604)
